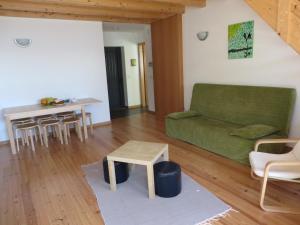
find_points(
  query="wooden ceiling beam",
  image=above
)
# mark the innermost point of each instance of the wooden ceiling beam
(28, 14)
(135, 5)
(196, 3)
(135, 11)
(95, 12)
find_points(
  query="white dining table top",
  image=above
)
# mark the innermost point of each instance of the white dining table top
(39, 107)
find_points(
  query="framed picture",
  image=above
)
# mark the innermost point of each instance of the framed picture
(133, 62)
(240, 40)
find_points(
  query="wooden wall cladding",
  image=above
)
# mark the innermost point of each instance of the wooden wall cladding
(283, 16)
(168, 65)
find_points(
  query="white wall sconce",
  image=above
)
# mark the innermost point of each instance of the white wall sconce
(23, 42)
(202, 36)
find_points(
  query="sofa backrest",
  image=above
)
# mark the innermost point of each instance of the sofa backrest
(245, 105)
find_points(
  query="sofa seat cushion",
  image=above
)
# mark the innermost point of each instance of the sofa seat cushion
(212, 135)
(183, 115)
(254, 131)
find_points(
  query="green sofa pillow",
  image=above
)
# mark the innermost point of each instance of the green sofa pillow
(254, 131)
(182, 115)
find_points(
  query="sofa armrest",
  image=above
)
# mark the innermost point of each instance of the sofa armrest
(183, 115)
(274, 141)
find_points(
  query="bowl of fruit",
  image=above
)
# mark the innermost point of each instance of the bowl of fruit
(51, 101)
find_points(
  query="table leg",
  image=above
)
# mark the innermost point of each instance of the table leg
(131, 167)
(166, 155)
(11, 135)
(112, 175)
(150, 175)
(84, 123)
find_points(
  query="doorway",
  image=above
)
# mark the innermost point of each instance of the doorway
(115, 81)
(135, 76)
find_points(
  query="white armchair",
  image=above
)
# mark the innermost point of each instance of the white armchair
(284, 167)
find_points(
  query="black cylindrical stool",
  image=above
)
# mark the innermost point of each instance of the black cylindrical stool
(167, 177)
(121, 169)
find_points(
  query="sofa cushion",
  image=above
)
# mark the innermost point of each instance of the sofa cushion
(213, 135)
(182, 115)
(254, 131)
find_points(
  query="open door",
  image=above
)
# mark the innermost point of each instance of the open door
(167, 65)
(143, 78)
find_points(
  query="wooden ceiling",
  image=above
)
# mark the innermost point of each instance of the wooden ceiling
(131, 11)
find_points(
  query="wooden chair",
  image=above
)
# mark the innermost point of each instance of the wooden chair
(55, 126)
(66, 127)
(28, 130)
(280, 167)
(89, 117)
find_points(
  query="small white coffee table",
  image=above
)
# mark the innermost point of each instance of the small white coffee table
(141, 153)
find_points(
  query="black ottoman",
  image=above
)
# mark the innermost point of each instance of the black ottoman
(167, 177)
(121, 169)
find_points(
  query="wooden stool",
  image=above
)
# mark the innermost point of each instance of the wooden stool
(43, 118)
(76, 122)
(88, 116)
(29, 129)
(17, 122)
(53, 123)
(64, 115)
(21, 121)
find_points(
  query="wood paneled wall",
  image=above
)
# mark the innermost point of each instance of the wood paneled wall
(283, 16)
(168, 65)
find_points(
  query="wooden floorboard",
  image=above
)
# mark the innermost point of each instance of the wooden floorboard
(48, 187)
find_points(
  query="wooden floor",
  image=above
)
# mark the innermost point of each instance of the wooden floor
(48, 186)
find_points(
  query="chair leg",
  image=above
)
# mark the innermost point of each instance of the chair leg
(56, 128)
(26, 137)
(40, 134)
(17, 140)
(68, 129)
(45, 132)
(91, 124)
(79, 131)
(31, 139)
(66, 134)
(22, 137)
(254, 176)
(60, 134)
(273, 208)
(35, 135)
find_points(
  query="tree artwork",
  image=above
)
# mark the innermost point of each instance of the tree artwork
(240, 40)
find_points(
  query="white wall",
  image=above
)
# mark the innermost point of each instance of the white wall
(274, 62)
(130, 40)
(65, 60)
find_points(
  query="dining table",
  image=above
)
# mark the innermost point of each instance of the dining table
(30, 111)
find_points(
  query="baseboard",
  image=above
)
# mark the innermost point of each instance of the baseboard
(134, 106)
(151, 112)
(101, 124)
(4, 142)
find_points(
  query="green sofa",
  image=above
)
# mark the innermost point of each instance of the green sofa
(218, 112)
